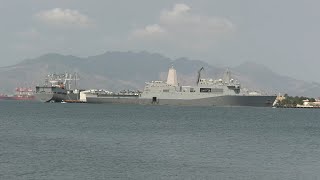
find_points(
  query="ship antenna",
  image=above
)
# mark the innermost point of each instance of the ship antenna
(199, 75)
(75, 81)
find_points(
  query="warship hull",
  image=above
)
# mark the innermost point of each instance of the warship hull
(54, 97)
(207, 92)
(255, 101)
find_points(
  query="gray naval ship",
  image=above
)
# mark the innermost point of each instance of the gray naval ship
(58, 88)
(206, 92)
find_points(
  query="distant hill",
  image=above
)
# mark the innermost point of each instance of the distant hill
(260, 77)
(128, 70)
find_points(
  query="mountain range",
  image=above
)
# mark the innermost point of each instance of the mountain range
(130, 70)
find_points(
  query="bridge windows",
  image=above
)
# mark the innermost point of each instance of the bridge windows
(205, 90)
(211, 90)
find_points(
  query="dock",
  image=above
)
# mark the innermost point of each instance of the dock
(299, 107)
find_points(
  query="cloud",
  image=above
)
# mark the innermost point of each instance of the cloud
(64, 17)
(178, 9)
(150, 30)
(181, 18)
(182, 27)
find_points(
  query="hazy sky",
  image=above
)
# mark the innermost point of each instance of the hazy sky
(284, 35)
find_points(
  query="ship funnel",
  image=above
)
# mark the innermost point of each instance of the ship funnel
(172, 77)
(227, 76)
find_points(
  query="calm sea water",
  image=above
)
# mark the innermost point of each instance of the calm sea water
(85, 141)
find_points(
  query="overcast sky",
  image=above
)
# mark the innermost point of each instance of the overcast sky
(284, 35)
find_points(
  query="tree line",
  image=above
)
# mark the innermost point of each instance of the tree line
(294, 100)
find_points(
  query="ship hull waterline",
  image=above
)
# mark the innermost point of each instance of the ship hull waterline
(254, 101)
(54, 97)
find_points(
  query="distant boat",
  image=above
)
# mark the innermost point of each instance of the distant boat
(4, 97)
(21, 93)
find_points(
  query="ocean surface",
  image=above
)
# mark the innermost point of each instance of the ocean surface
(86, 141)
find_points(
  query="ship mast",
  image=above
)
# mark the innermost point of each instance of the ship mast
(227, 76)
(75, 80)
(199, 75)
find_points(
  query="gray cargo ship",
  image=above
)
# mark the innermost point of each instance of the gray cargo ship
(57, 88)
(206, 92)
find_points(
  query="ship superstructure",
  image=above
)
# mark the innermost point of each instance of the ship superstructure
(204, 88)
(58, 87)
